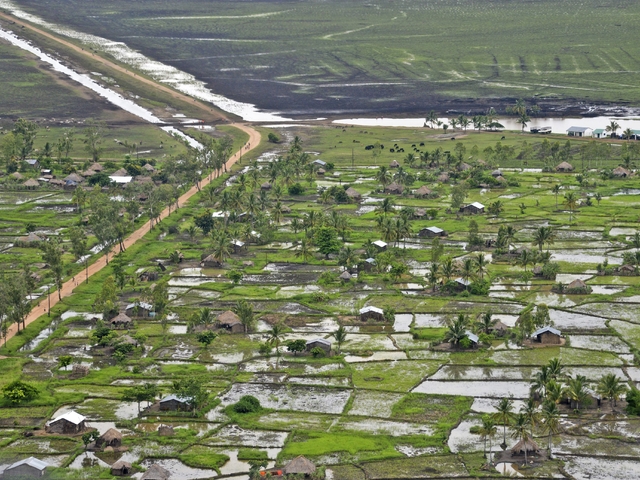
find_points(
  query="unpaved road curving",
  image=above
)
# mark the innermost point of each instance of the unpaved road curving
(253, 142)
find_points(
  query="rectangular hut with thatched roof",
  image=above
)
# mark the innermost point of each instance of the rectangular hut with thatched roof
(121, 469)
(156, 472)
(230, 322)
(121, 321)
(111, 438)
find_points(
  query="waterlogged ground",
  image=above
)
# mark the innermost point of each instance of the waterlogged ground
(394, 402)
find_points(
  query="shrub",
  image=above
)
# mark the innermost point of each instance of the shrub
(296, 189)
(247, 404)
(633, 401)
(18, 392)
(550, 270)
(480, 287)
(273, 138)
(317, 352)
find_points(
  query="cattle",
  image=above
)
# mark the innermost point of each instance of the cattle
(369, 147)
(422, 144)
(391, 150)
(503, 137)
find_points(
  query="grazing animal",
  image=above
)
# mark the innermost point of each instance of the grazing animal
(503, 137)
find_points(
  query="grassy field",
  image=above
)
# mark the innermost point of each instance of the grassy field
(394, 56)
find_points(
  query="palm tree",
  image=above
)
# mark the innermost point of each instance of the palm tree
(488, 430)
(613, 127)
(448, 268)
(635, 240)
(628, 134)
(221, 246)
(410, 159)
(275, 336)
(550, 421)
(520, 430)
(509, 234)
(542, 236)
(468, 268)
(432, 118)
(486, 323)
(523, 119)
(576, 390)
(540, 381)
(304, 250)
(610, 387)
(571, 201)
(555, 368)
(383, 175)
(504, 415)
(432, 275)
(340, 336)
(79, 198)
(526, 257)
(387, 206)
(530, 411)
(347, 258)
(554, 391)
(556, 190)
(456, 330)
(481, 264)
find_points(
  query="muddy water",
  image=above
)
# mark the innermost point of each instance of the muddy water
(178, 470)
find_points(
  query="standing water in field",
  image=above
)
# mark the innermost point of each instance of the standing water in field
(181, 81)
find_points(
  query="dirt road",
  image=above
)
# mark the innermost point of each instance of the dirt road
(253, 142)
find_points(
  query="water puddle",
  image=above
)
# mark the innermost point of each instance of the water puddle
(179, 471)
(86, 460)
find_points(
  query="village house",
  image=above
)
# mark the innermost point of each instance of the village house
(121, 321)
(431, 232)
(265, 186)
(237, 246)
(529, 446)
(70, 423)
(299, 466)
(28, 468)
(547, 336)
(230, 321)
(345, 276)
(472, 209)
(473, 338)
(371, 313)
(577, 287)
(496, 173)
(32, 163)
(368, 265)
(140, 310)
(382, 246)
(319, 163)
(443, 177)
(31, 238)
(210, 262)
(499, 329)
(156, 472)
(31, 184)
(423, 192)
(321, 172)
(121, 468)
(319, 343)
(394, 164)
(618, 172)
(148, 276)
(111, 438)
(353, 194)
(419, 213)
(462, 284)
(599, 133)
(394, 189)
(564, 167)
(580, 132)
(173, 403)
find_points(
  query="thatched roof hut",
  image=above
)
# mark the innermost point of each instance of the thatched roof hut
(394, 188)
(32, 183)
(17, 175)
(394, 164)
(353, 194)
(121, 468)
(564, 167)
(166, 431)
(423, 191)
(110, 438)
(621, 172)
(529, 445)
(299, 465)
(156, 472)
(120, 173)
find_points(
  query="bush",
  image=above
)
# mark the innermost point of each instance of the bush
(550, 270)
(633, 401)
(18, 392)
(296, 189)
(247, 404)
(480, 287)
(273, 138)
(317, 352)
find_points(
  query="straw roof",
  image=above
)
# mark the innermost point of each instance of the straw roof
(228, 318)
(31, 183)
(74, 177)
(120, 173)
(352, 193)
(156, 472)
(17, 175)
(621, 172)
(345, 275)
(121, 318)
(96, 167)
(423, 190)
(394, 188)
(564, 166)
(577, 283)
(394, 164)
(111, 434)
(299, 465)
(529, 445)
(120, 464)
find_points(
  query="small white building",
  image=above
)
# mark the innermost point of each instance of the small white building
(580, 132)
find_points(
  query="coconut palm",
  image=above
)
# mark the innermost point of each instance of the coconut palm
(432, 275)
(386, 207)
(221, 245)
(555, 369)
(383, 175)
(576, 390)
(628, 134)
(448, 268)
(488, 430)
(556, 190)
(540, 381)
(347, 257)
(521, 429)
(554, 391)
(611, 388)
(523, 119)
(530, 411)
(410, 159)
(304, 250)
(275, 337)
(542, 236)
(550, 421)
(481, 264)
(504, 415)
(340, 336)
(526, 258)
(468, 268)
(486, 322)
(432, 118)
(456, 330)
(277, 213)
(509, 234)
(571, 202)
(613, 127)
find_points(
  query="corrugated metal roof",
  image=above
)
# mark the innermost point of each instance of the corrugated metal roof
(319, 340)
(380, 243)
(31, 461)
(171, 397)
(546, 329)
(477, 205)
(435, 229)
(472, 336)
(72, 417)
(371, 309)
(578, 129)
